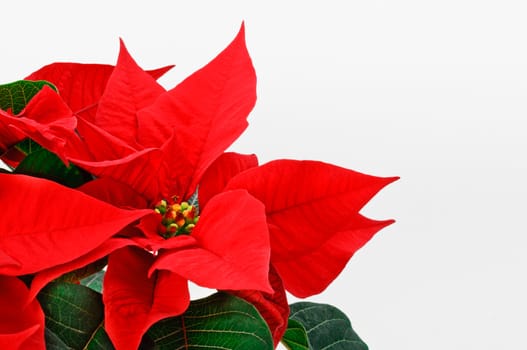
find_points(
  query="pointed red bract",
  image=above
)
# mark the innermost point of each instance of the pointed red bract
(128, 90)
(46, 217)
(97, 144)
(42, 278)
(205, 113)
(190, 125)
(21, 320)
(133, 301)
(221, 171)
(309, 206)
(115, 193)
(310, 273)
(232, 246)
(142, 171)
(81, 85)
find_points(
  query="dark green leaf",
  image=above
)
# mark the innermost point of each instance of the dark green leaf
(326, 327)
(53, 342)
(47, 165)
(100, 340)
(74, 314)
(28, 146)
(16, 95)
(220, 321)
(295, 337)
(94, 281)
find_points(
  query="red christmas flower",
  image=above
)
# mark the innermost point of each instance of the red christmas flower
(149, 148)
(298, 221)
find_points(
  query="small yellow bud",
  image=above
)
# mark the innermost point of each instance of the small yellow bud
(172, 228)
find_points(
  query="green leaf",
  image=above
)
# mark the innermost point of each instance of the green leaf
(326, 327)
(53, 342)
(100, 340)
(28, 146)
(295, 337)
(220, 321)
(74, 314)
(94, 281)
(16, 95)
(47, 165)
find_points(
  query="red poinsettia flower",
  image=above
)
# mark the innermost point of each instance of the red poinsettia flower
(149, 148)
(21, 320)
(312, 208)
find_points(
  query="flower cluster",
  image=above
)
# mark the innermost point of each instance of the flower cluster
(109, 169)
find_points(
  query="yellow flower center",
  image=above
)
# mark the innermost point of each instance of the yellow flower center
(176, 218)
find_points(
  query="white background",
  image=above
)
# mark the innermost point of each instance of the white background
(432, 91)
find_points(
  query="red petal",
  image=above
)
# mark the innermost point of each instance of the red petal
(309, 205)
(21, 323)
(81, 85)
(140, 171)
(159, 72)
(9, 135)
(45, 119)
(129, 89)
(115, 193)
(41, 216)
(232, 246)
(96, 144)
(42, 278)
(310, 273)
(272, 306)
(6, 260)
(221, 171)
(133, 302)
(206, 113)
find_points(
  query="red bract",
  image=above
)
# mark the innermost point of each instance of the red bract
(21, 320)
(149, 148)
(312, 211)
(313, 215)
(46, 217)
(45, 119)
(81, 85)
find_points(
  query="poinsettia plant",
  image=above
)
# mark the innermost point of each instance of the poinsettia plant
(117, 192)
